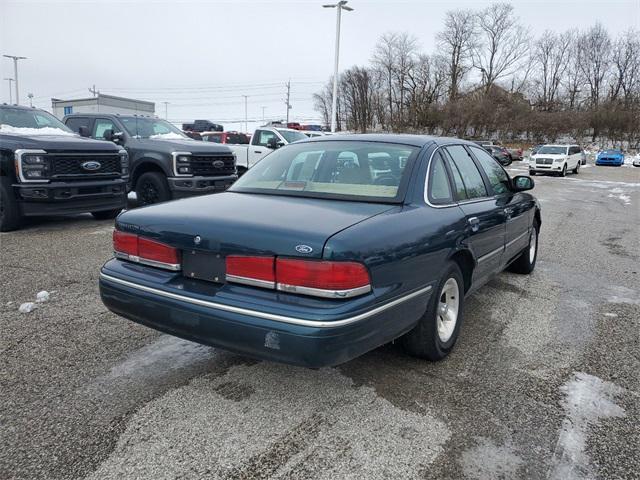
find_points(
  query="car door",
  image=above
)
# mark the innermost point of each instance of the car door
(484, 213)
(515, 207)
(258, 147)
(576, 157)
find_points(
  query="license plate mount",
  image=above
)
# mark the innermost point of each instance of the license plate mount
(203, 266)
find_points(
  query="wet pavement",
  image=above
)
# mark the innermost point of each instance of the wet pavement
(543, 383)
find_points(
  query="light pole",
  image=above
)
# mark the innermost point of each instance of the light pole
(15, 73)
(341, 5)
(166, 110)
(30, 95)
(10, 94)
(263, 109)
(246, 129)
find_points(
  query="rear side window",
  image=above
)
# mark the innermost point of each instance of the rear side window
(439, 188)
(471, 178)
(498, 178)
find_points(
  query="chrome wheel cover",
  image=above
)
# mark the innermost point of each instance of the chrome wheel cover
(448, 308)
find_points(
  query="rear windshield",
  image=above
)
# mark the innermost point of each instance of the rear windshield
(551, 150)
(350, 170)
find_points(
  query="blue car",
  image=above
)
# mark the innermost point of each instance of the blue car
(610, 157)
(328, 248)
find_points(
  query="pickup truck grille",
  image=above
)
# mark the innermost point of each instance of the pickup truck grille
(208, 165)
(70, 166)
(544, 161)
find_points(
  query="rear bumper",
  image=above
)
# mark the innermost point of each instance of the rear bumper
(189, 186)
(247, 329)
(62, 198)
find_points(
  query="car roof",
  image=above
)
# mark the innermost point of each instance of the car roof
(405, 139)
(21, 107)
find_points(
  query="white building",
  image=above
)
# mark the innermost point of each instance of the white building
(102, 104)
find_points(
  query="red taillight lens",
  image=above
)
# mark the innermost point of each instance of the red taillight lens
(332, 277)
(157, 252)
(125, 242)
(252, 270)
(142, 250)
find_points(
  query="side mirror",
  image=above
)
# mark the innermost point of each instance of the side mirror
(117, 137)
(84, 131)
(522, 182)
(108, 135)
(272, 143)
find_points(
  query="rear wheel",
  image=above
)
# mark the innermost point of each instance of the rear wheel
(10, 218)
(106, 214)
(526, 262)
(152, 188)
(437, 331)
(577, 169)
(532, 173)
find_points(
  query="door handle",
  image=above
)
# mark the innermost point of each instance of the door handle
(257, 151)
(474, 223)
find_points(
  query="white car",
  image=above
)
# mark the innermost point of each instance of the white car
(556, 159)
(636, 161)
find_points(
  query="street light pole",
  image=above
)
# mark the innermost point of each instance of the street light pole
(10, 88)
(341, 5)
(166, 114)
(30, 95)
(246, 128)
(15, 73)
(263, 109)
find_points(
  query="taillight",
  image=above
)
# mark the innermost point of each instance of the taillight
(142, 250)
(256, 271)
(307, 277)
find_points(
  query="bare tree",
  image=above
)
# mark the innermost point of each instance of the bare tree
(550, 55)
(502, 43)
(384, 62)
(358, 90)
(595, 47)
(457, 41)
(573, 80)
(626, 66)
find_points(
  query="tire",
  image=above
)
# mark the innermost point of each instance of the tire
(526, 262)
(106, 214)
(577, 169)
(10, 217)
(432, 338)
(152, 187)
(532, 174)
(563, 173)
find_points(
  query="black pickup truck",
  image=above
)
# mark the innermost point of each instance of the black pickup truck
(46, 169)
(165, 163)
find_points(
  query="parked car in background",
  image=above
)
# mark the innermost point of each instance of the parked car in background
(165, 163)
(516, 154)
(263, 141)
(202, 126)
(535, 149)
(636, 161)
(192, 135)
(327, 262)
(556, 159)
(233, 138)
(46, 169)
(610, 157)
(499, 153)
(315, 133)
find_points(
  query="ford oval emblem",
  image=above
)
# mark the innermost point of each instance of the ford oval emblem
(218, 164)
(303, 249)
(91, 166)
(197, 239)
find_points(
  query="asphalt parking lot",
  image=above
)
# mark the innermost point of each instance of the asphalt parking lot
(544, 381)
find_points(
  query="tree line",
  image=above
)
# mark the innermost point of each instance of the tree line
(490, 77)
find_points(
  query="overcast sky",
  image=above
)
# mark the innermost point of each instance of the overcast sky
(203, 56)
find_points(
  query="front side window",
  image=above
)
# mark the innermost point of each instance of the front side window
(498, 178)
(439, 188)
(101, 126)
(76, 122)
(146, 127)
(473, 183)
(335, 169)
(263, 136)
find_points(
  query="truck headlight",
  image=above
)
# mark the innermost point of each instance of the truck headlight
(34, 167)
(124, 163)
(182, 164)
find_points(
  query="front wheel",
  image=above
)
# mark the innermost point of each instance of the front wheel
(152, 188)
(563, 173)
(526, 262)
(436, 333)
(10, 217)
(106, 214)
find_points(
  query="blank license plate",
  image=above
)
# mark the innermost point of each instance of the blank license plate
(203, 266)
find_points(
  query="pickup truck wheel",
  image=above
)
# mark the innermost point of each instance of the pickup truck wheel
(106, 214)
(10, 218)
(526, 262)
(437, 331)
(151, 188)
(241, 171)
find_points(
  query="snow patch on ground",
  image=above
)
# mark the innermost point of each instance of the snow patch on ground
(588, 400)
(626, 199)
(8, 129)
(490, 461)
(42, 296)
(27, 307)
(610, 314)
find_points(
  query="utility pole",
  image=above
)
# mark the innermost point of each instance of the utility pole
(288, 98)
(341, 5)
(15, 73)
(10, 88)
(166, 115)
(263, 109)
(30, 95)
(93, 90)
(246, 128)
